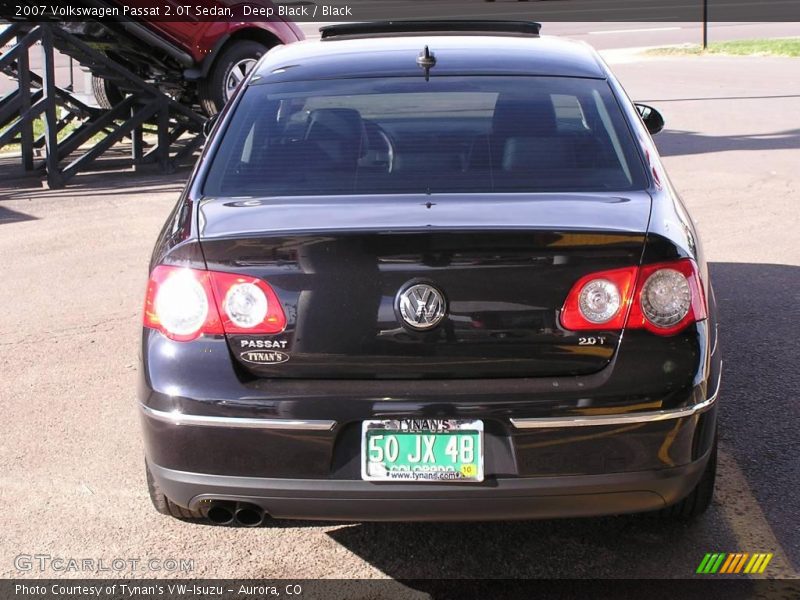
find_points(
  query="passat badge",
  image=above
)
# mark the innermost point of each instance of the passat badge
(421, 306)
(264, 357)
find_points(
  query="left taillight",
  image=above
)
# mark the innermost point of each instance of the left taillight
(599, 301)
(184, 303)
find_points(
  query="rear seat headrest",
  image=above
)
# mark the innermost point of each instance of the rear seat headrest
(342, 126)
(536, 154)
(333, 123)
(524, 115)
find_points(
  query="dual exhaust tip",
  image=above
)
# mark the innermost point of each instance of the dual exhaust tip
(227, 512)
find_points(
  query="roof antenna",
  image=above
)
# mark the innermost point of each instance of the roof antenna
(426, 60)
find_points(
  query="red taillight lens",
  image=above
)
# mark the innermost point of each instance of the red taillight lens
(669, 296)
(247, 304)
(609, 290)
(180, 303)
(663, 298)
(185, 303)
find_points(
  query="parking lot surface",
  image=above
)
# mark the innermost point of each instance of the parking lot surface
(74, 267)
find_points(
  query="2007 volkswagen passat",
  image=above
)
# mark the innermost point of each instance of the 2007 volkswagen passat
(425, 276)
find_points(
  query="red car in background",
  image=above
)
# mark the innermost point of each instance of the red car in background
(196, 60)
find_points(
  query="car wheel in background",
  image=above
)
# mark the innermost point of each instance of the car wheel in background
(228, 70)
(106, 93)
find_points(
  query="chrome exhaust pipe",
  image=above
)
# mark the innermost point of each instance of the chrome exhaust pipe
(248, 515)
(221, 513)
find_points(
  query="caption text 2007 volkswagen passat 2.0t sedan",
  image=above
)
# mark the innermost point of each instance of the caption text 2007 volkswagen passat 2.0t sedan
(429, 271)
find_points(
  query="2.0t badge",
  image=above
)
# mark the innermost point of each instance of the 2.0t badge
(421, 306)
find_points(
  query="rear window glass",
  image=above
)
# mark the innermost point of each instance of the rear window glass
(406, 135)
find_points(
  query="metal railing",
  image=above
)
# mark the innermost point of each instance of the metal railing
(75, 138)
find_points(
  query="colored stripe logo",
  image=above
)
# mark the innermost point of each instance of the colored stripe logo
(736, 562)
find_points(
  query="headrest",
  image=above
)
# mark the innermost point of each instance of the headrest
(338, 132)
(325, 124)
(524, 115)
(536, 154)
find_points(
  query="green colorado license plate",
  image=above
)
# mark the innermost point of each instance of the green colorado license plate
(422, 450)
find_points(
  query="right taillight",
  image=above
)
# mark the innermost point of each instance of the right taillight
(669, 296)
(663, 298)
(184, 303)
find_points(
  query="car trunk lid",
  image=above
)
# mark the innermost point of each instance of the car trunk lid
(504, 265)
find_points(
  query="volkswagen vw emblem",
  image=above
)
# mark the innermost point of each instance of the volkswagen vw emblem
(421, 306)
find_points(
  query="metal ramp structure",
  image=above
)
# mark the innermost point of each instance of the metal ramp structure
(74, 133)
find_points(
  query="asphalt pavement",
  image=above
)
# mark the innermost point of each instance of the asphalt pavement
(74, 269)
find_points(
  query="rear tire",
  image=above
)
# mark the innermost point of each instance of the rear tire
(164, 505)
(698, 501)
(215, 89)
(106, 93)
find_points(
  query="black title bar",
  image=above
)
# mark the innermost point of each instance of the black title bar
(436, 589)
(380, 10)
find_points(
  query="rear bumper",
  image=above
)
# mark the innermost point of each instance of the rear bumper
(504, 499)
(565, 447)
(497, 498)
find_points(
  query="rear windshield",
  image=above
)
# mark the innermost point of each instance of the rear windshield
(406, 135)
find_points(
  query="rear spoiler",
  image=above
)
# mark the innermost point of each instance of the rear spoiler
(443, 27)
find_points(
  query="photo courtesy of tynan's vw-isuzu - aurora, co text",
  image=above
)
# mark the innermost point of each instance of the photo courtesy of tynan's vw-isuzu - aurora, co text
(450, 280)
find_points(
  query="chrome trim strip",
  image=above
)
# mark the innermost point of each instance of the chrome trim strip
(601, 420)
(716, 340)
(176, 418)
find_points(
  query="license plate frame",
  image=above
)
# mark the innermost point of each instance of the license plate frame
(409, 431)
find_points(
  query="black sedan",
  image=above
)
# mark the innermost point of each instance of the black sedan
(420, 275)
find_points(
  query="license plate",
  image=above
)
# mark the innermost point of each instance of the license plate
(422, 450)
